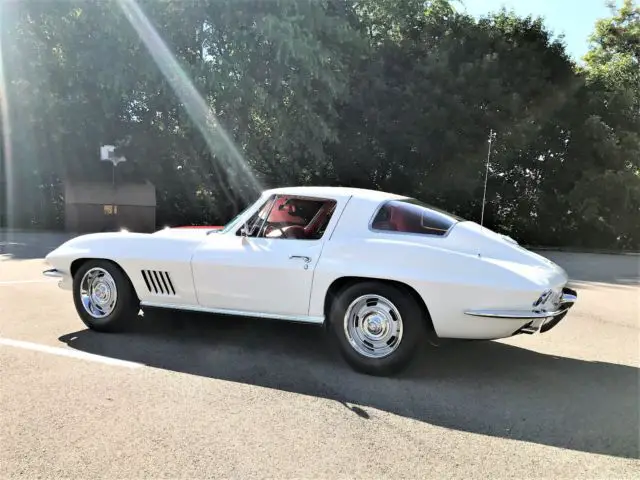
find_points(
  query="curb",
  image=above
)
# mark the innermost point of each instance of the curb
(598, 251)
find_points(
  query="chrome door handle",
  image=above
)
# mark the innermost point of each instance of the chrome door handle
(303, 257)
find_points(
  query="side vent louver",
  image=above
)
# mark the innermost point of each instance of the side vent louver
(158, 282)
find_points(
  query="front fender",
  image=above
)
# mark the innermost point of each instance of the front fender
(136, 253)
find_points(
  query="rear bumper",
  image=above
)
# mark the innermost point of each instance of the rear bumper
(540, 320)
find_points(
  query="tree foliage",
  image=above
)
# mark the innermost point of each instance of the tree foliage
(398, 96)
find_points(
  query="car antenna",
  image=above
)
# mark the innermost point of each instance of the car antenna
(486, 176)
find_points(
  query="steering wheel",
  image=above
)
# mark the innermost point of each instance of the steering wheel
(271, 228)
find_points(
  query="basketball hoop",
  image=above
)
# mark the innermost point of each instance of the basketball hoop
(107, 154)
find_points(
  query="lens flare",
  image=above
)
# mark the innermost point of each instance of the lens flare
(220, 144)
(7, 154)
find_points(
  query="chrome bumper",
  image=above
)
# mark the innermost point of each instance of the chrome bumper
(541, 320)
(65, 283)
(52, 272)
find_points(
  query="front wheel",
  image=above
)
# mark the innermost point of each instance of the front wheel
(377, 327)
(103, 296)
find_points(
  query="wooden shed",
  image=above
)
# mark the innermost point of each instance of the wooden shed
(103, 207)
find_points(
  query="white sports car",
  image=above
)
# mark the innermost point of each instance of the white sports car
(383, 272)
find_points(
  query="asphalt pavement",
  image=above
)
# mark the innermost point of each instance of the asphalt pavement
(197, 396)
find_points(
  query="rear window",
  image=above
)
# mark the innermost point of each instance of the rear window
(413, 216)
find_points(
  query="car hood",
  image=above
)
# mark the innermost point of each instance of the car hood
(117, 245)
(187, 232)
(117, 239)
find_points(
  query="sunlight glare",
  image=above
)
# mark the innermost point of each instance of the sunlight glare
(7, 154)
(220, 144)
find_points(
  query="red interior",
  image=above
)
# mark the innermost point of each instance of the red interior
(319, 219)
(283, 216)
(300, 231)
(201, 226)
(402, 221)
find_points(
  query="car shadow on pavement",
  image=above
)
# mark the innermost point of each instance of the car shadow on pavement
(487, 388)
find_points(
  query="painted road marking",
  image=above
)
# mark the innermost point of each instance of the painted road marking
(66, 352)
(18, 282)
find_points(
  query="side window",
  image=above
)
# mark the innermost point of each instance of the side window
(289, 217)
(254, 225)
(412, 216)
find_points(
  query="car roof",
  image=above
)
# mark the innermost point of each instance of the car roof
(374, 195)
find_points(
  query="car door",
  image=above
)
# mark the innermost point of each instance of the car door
(270, 277)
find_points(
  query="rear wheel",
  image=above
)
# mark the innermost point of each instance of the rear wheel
(377, 327)
(103, 296)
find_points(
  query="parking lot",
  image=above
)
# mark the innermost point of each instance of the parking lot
(195, 396)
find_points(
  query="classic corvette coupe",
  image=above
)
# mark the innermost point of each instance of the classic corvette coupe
(384, 273)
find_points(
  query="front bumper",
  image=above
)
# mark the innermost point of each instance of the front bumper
(53, 272)
(540, 320)
(65, 279)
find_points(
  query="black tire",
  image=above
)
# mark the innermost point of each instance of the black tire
(126, 305)
(413, 326)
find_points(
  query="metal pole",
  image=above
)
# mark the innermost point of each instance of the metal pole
(114, 198)
(486, 178)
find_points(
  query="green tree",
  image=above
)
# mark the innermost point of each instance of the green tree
(399, 96)
(607, 195)
(271, 73)
(421, 108)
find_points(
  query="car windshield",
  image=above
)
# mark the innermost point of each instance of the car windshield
(235, 220)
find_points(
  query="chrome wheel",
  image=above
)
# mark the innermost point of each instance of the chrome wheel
(373, 326)
(98, 292)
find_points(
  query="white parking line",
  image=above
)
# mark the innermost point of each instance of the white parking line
(18, 282)
(66, 352)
